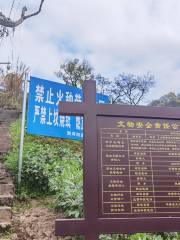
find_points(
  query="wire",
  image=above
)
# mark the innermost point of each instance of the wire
(17, 7)
(13, 47)
(1, 41)
(12, 5)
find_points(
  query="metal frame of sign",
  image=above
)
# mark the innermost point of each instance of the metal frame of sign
(91, 226)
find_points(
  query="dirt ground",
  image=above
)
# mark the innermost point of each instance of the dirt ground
(35, 222)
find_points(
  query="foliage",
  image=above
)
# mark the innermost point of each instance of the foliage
(103, 84)
(5, 235)
(131, 89)
(142, 236)
(74, 72)
(169, 100)
(11, 82)
(112, 237)
(50, 166)
(4, 32)
(35, 157)
(125, 88)
(67, 181)
(42, 159)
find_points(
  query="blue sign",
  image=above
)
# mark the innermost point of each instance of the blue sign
(43, 117)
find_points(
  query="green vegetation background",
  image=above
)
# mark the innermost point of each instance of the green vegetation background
(53, 167)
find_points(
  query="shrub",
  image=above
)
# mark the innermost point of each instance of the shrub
(43, 158)
(67, 182)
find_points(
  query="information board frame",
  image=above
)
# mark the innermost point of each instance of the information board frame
(92, 226)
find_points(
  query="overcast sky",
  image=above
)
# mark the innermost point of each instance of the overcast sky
(115, 36)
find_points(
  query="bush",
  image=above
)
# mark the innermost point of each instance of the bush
(67, 182)
(43, 160)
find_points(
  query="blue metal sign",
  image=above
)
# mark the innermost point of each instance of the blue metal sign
(43, 117)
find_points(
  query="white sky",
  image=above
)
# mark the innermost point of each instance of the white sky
(115, 36)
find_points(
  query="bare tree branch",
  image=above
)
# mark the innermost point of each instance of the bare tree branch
(36, 13)
(131, 89)
(7, 22)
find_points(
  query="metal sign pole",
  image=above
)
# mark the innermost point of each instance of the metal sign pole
(4, 63)
(22, 130)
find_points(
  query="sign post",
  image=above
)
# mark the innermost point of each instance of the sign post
(22, 129)
(131, 169)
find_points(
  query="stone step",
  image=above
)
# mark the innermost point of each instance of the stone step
(4, 149)
(4, 174)
(6, 186)
(5, 214)
(5, 137)
(6, 189)
(5, 180)
(6, 200)
(2, 156)
(3, 169)
(5, 225)
(8, 115)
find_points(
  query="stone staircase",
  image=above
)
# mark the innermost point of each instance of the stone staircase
(6, 184)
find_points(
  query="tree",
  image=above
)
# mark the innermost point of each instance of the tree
(7, 22)
(103, 84)
(11, 85)
(124, 89)
(74, 72)
(169, 100)
(131, 89)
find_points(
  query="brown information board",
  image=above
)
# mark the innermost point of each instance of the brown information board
(140, 167)
(131, 168)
